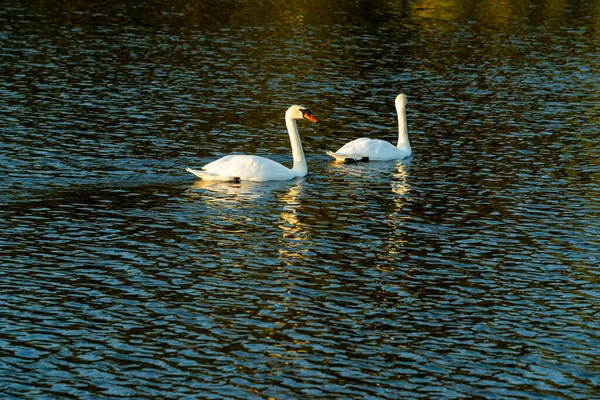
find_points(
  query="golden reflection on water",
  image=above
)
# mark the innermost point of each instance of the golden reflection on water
(282, 199)
(294, 231)
(289, 215)
(281, 13)
(492, 13)
(499, 14)
(398, 215)
(400, 184)
(446, 10)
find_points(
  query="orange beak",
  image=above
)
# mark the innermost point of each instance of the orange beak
(309, 117)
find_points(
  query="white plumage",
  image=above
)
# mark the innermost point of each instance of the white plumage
(376, 149)
(244, 168)
(257, 168)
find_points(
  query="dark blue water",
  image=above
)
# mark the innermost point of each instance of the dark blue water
(469, 270)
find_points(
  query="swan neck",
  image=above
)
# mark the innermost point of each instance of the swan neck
(402, 129)
(299, 160)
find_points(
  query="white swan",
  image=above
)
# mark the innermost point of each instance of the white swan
(365, 149)
(259, 169)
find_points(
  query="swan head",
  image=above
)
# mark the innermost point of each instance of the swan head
(300, 112)
(401, 101)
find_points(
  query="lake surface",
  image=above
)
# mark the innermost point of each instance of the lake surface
(469, 270)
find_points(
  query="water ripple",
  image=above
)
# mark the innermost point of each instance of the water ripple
(467, 270)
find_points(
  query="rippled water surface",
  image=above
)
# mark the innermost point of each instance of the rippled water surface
(469, 270)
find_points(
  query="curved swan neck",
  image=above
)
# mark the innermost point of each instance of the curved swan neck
(299, 160)
(402, 129)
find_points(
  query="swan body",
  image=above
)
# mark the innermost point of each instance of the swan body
(245, 168)
(257, 168)
(375, 149)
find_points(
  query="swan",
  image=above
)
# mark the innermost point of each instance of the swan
(365, 149)
(260, 169)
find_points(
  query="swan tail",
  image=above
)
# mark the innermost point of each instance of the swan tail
(207, 176)
(348, 159)
(338, 157)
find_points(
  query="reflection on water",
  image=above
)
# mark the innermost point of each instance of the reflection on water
(244, 190)
(468, 270)
(294, 233)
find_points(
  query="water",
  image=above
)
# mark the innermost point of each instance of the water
(469, 270)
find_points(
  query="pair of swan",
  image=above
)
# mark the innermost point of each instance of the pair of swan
(260, 169)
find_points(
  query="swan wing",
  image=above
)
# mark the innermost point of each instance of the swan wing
(338, 157)
(207, 176)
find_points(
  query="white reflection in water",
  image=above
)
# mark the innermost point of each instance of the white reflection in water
(289, 212)
(244, 190)
(275, 204)
(401, 195)
(382, 192)
(378, 170)
(294, 231)
(399, 183)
